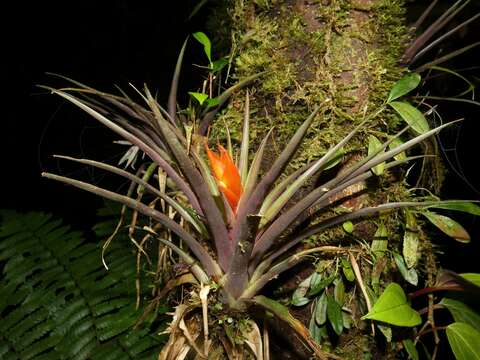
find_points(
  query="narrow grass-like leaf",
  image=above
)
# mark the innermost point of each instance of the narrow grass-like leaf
(411, 115)
(136, 141)
(447, 57)
(448, 226)
(243, 162)
(207, 117)
(172, 97)
(463, 340)
(403, 86)
(198, 225)
(392, 308)
(211, 211)
(200, 252)
(317, 166)
(443, 37)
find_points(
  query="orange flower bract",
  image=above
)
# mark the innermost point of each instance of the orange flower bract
(226, 174)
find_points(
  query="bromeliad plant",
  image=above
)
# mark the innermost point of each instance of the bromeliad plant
(236, 225)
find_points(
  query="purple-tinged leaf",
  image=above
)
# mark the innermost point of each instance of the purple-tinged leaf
(172, 97)
(198, 250)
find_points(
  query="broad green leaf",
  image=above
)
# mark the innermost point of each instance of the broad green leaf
(348, 227)
(218, 65)
(410, 349)
(321, 310)
(409, 275)
(462, 312)
(212, 102)
(404, 86)
(412, 116)
(464, 341)
(392, 308)
(463, 206)
(374, 146)
(334, 315)
(347, 270)
(200, 97)
(410, 240)
(395, 143)
(380, 241)
(474, 278)
(448, 226)
(207, 45)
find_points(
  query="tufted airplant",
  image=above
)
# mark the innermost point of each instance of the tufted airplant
(238, 222)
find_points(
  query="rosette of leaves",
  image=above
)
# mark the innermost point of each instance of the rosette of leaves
(233, 251)
(59, 302)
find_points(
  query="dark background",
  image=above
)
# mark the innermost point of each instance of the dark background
(102, 43)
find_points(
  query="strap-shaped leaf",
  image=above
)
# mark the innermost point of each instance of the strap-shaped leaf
(176, 178)
(172, 97)
(198, 250)
(243, 162)
(317, 166)
(198, 225)
(213, 215)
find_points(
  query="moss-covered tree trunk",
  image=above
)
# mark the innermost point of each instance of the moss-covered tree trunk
(341, 55)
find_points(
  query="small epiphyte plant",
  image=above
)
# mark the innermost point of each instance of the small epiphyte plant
(236, 226)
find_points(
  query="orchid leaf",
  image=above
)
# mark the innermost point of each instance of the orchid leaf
(334, 315)
(203, 39)
(403, 86)
(468, 207)
(448, 226)
(410, 275)
(321, 310)
(218, 65)
(392, 308)
(347, 270)
(411, 115)
(410, 240)
(299, 295)
(463, 339)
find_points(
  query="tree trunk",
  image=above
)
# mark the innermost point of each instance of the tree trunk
(341, 55)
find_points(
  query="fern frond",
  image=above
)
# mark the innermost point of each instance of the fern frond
(59, 302)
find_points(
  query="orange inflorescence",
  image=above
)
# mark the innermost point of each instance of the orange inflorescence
(226, 174)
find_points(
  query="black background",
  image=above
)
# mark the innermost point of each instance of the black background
(102, 43)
